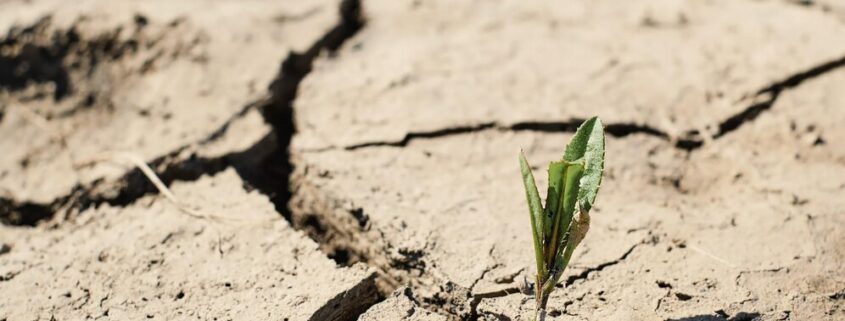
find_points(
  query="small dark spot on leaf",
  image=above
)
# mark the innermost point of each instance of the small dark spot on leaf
(663, 284)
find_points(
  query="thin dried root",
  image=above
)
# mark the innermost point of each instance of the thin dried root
(711, 255)
(159, 185)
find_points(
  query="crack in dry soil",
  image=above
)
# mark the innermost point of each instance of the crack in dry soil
(130, 187)
(567, 126)
(476, 299)
(268, 178)
(770, 95)
(13, 212)
(690, 141)
(584, 274)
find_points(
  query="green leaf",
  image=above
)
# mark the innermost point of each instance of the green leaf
(588, 144)
(571, 175)
(553, 194)
(535, 209)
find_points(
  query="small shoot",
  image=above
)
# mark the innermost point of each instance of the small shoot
(561, 224)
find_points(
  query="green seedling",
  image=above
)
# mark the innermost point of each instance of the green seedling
(559, 226)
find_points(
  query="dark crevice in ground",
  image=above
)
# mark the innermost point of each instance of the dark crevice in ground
(773, 91)
(584, 274)
(134, 184)
(764, 99)
(478, 297)
(721, 315)
(613, 129)
(129, 188)
(271, 173)
(278, 110)
(691, 140)
(26, 213)
(796, 79)
(459, 130)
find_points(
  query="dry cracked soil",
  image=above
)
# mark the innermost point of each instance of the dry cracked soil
(356, 159)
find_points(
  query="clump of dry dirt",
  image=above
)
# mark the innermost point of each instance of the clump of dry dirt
(63, 62)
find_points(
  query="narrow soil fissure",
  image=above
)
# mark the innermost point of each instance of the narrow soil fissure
(763, 100)
(476, 298)
(24, 213)
(567, 126)
(691, 140)
(586, 272)
(278, 109)
(175, 166)
(458, 130)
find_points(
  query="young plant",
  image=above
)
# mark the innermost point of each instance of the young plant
(559, 226)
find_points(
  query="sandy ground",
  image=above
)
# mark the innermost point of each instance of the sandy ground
(357, 160)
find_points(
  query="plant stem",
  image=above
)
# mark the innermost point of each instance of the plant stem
(541, 315)
(542, 301)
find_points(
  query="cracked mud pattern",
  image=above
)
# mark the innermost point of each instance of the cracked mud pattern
(356, 160)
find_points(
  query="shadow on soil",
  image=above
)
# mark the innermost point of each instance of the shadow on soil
(722, 316)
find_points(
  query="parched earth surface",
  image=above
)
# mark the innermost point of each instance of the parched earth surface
(346, 160)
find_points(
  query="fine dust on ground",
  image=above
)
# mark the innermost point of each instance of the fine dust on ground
(357, 159)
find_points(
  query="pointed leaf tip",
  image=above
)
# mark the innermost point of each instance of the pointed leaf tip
(535, 209)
